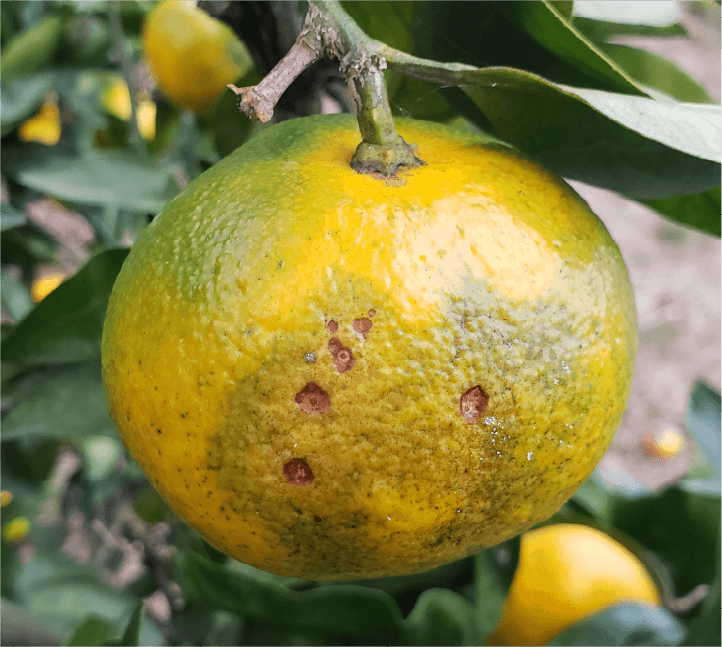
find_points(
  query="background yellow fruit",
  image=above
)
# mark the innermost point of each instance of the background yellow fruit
(192, 55)
(332, 376)
(16, 529)
(44, 285)
(116, 100)
(567, 572)
(44, 126)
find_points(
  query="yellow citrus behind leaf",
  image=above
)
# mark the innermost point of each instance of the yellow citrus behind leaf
(44, 285)
(44, 126)
(116, 100)
(565, 573)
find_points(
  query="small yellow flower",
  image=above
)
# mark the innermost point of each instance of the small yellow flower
(44, 127)
(15, 530)
(45, 285)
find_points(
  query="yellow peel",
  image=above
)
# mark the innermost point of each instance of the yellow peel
(300, 434)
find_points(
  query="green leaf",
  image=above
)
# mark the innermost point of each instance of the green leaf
(389, 22)
(706, 628)
(494, 572)
(563, 8)
(92, 631)
(693, 129)
(64, 593)
(19, 627)
(681, 527)
(706, 487)
(27, 246)
(417, 99)
(701, 210)
(33, 49)
(441, 617)
(642, 148)
(58, 401)
(131, 635)
(703, 422)
(12, 217)
(523, 35)
(625, 624)
(594, 497)
(408, 586)
(21, 98)
(656, 72)
(599, 31)
(104, 178)
(15, 296)
(67, 325)
(361, 612)
(545, 24)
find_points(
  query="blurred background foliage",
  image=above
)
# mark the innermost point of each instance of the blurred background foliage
(92, 150)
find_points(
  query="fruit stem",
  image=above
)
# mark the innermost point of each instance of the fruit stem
(329, 30)
(382, 150)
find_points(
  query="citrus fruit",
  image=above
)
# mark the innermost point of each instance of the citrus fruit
(44, 126)
(192, 55)
(116, 100)
(664, 443)
(16, 530)
(44, 285)
(565, 573)
(333, 376)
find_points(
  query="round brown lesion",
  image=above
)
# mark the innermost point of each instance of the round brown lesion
(313, 400)
(343, 358)
(473, 403)
(297, 472)
(362, 326)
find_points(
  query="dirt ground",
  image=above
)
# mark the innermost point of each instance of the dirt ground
(675, 272)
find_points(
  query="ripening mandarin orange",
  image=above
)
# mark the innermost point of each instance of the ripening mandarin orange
(192, 55)
(567, 572)
(333, 376)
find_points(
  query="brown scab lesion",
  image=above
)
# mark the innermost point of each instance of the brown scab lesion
(297, 472)
(362, 326)
(332, 327)
(313, 400)
(473, 403)
(343, 357)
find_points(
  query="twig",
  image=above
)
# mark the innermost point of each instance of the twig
(258, 102)
(329, 31)
(116, 27)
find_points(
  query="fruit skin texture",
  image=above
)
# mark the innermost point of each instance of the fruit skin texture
(565, 573)
(241, 304)
(192, 55)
